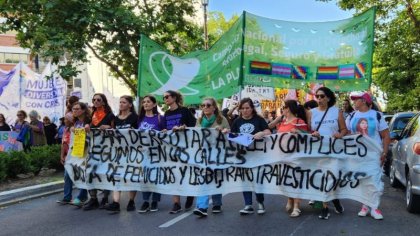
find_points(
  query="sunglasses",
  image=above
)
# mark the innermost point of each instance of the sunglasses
(96, 100)
(206, 105)
(166, 97)
(320, 96)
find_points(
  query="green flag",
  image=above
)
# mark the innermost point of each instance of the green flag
(196, 75)
(286, 54)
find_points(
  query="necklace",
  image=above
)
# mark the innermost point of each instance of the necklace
(289, 121)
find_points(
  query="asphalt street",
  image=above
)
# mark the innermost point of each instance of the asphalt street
(44, 216)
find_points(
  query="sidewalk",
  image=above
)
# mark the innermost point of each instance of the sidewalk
(27, 193)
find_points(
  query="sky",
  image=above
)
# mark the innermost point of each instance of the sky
(290, 10)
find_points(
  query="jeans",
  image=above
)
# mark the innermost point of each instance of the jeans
(248, 197)
(68, 189)
(203, 201)
(155, 196)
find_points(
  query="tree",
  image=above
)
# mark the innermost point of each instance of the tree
(111, 29)
(218, 25)
(397, 50)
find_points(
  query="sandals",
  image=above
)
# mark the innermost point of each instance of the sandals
(295, 213)
(289, 206)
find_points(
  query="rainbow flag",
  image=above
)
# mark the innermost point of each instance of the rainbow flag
(327, 73)
(281, 70)
(299, 72)
(346, 71)
(261, 68)
(360, 70)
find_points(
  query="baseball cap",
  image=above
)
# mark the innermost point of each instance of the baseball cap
(363, 95)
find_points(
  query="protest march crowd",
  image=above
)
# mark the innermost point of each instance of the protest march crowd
(317, 118)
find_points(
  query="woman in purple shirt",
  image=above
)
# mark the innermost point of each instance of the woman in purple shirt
(149, 118)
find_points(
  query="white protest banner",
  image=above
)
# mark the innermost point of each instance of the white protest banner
(203, 161)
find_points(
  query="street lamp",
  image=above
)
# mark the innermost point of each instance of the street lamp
(205, 3)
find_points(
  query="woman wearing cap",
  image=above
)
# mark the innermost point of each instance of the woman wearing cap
(365, 121)
(211, 117)
(249, 122)
(327, 120)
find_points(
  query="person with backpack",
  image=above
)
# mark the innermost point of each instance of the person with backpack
(327, 120)
(371, 123)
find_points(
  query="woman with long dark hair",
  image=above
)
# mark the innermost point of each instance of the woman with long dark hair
(327, 120)
(211, 117)
(102, 118)
(149, 118)
(294, 120)
(3, 125)
(126, 119)
(250, 122)
(178, 117)
(347, 108)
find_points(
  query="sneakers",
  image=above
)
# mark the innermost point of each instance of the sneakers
(63, 201)
(154, 207)
(364, 211)
(201, 212)
(176, 208)
(131, 206)
(216, 209)
(91, 204)
(114, 206)
(338, 207)
(325, 214)
(144, 208)
(77, 202)
(247, 210)
(376, 214)
(189, 203)
(103, 203)
(261, 209)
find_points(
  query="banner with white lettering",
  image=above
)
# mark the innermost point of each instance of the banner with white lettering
(203, 161)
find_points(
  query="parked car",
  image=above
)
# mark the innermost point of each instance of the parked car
(388, 118)
(405, 163)
(396, 125)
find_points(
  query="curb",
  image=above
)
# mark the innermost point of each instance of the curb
(28, 193)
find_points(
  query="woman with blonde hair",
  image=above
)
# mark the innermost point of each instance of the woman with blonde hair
(211, 117)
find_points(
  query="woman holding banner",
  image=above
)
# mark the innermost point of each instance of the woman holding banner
(102, 118)
(149, 118)
(368, 122)
(294, 121)
(81, 119)
(177, 117)
(327, 120)
(126, 119)
(211, 117)
(251, 123)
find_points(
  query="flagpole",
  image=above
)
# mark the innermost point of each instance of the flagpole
(241, 78)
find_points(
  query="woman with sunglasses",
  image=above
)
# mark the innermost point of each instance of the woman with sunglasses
(102, 118)
(327, 120)
(178, 117)
(250, 122)
(294, 121)
(21, 125)
(126, 119)
(3, 125)
(211, 117)
(149, 118)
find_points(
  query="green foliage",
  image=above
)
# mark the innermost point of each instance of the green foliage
(397, 52)
(111, 29)
(217, 25)
(14, 162)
